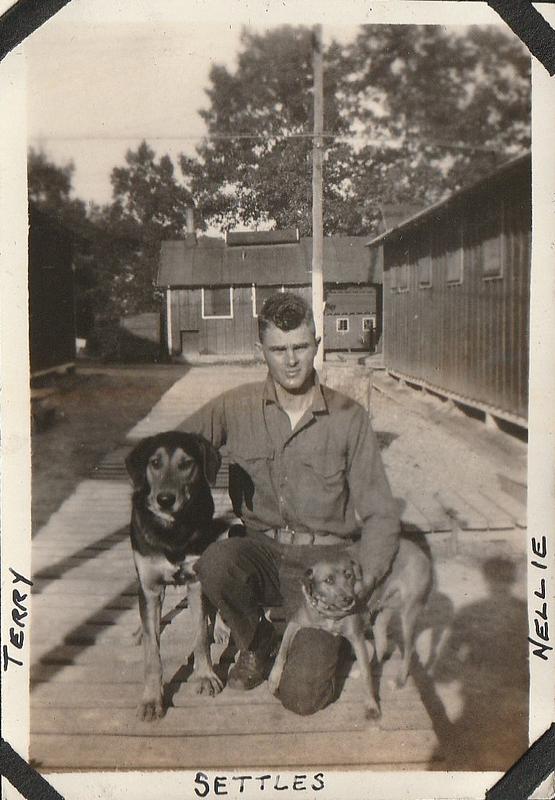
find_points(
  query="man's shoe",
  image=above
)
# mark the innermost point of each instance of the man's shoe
(253, 666)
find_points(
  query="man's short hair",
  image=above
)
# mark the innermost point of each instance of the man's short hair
(287, 311)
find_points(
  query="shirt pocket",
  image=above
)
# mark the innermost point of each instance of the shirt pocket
(322, 485)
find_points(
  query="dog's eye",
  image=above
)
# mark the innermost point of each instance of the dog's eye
(184, 464)
(155, 462)
(348, 573)
(330, 579)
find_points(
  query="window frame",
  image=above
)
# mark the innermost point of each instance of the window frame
(342, 319)
(500, 246)
(461, 261)
(404, 271)
(427, 258)
(371, 319)
(216, 316)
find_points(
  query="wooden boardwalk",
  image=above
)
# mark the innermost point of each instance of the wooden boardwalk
(86, 672)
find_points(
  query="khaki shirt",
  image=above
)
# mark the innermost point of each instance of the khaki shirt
(324, 476)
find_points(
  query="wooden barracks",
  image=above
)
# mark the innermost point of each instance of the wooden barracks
(214, 289)
(456, 293)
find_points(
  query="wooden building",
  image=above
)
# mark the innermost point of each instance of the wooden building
(51, 304)
(456, 280)
(215, 289)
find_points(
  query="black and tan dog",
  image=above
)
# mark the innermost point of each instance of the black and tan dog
(170, 528)
(331, 590)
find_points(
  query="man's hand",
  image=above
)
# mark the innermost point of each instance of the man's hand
(364, 585)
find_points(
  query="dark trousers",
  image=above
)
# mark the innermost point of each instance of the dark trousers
(241, 577)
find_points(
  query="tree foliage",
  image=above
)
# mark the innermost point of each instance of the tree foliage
(411, 112)
(115, 247)
(255, 165)
(149, 205)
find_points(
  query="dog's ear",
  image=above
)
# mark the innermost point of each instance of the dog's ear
(136, 461)
(307, 579)
(357, 570)
(211, 459)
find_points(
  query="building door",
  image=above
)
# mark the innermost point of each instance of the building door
(190, 341)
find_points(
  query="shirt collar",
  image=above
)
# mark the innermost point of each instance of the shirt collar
(319, 404)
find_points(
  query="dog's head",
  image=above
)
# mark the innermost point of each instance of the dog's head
(331, 586)
(170, 468)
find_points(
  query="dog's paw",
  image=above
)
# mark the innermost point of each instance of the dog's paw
(400, 680)
(207, 684)
(149, 710)
(221, 631)
(372, 711)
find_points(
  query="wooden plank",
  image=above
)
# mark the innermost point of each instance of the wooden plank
(82, 569)
(98, 587)
(366, 747)
(67, 546)
(496, 517)
(126, 695)
(59, 601)
(412, 518)
(428, 506)
(104, 636)
(467, 517)
(230, 719)
(515, 510)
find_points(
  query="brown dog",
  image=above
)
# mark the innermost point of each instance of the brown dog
(331, 590)
(170, 528)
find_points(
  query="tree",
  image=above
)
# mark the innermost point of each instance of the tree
(115, 247)
(411, 113)
(149, 205)
(441, 109)
(50, 190)
(255, 165)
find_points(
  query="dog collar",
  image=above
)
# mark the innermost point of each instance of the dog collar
(325, 609)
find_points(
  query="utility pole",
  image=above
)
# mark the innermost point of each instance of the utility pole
(317, 175)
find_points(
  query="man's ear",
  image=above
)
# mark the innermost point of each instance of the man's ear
(258, 346)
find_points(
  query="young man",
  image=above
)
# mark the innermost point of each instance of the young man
(312, 485)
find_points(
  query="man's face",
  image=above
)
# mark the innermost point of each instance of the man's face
(290, 357)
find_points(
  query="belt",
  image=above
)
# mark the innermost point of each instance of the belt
(287, 536)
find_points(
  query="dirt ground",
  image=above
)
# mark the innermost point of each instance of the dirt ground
(94, 409)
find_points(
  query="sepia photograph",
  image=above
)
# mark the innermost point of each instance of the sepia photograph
(279, 332)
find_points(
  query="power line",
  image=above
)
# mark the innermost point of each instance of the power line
(192, 138)
(255, 137)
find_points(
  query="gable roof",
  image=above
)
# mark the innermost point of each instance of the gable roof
(520, 164)
(346, 260)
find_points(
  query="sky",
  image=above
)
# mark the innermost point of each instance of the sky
(96, 88)
(96, 91)
(104, 74)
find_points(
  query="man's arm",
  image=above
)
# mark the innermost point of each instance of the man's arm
(209, 421)
(373, 500)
